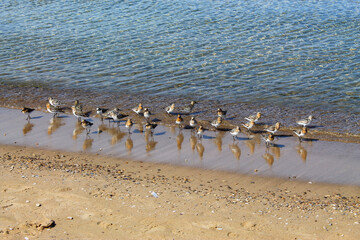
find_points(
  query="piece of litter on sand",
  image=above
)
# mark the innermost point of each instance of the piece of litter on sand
(154, 194)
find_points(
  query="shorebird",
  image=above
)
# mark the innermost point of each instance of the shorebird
(150, 127)
(101, 112)
(179, 120)
(216, 123)
(221, 113)
(235, 131)
(78, 106)
(54, 102)
(189, 108)
(249, 125)
(301, 133)
(27, 111)
(87, 125)
(147, 114)
(79, 113)
(129, 124)
(138, 109)
(274, 128)
(306, 121)
(200, 132)
(193, 122)
(52, 109)
(254, 118)
(170, 109)
(268, 139)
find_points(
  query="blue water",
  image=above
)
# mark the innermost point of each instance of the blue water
(284, 53)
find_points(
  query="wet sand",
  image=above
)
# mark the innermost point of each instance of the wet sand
(57, 182)
(310, 160)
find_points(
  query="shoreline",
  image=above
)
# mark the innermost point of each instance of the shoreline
(327, 125)
(101, 197)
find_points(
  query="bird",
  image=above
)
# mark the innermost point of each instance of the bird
(221, 113)
(254, 118)
(179, 120)
(200, 131)
(27, 111)
(249, 125)
(129, 124)
(189, 108)
(150, 127)
(235, 131)
(54, 102)
(147, 113)
(170, 109)
(274, 128)
(101, 112)
(79, 113)
(116, 115)
(138, 109)
(301, 133)
(269, 138)
(52, 109)
(193, 122)
(306, 121)
(216, 123)
(78, 106)
(87, 125)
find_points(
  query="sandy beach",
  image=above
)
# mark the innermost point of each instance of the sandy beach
(61, 195)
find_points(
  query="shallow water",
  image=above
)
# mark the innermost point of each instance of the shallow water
(311, 160)
(287, 59)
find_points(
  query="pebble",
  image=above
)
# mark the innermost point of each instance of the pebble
(70, 218)
(38, 205)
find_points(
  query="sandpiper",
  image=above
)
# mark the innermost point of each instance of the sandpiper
(254, 118)
(78, 106)
(129, 124)
(147, 113)
(189, 108)
(193, 122)
(150, 127)
(179, 120)
(235, 131)
(221, 113)
(138, 109)
(54, 102)
(87, 125)
(27, 111)
(200, 131)
(301, 133)
(306, 121)
(249, 125)
(274, 128)
(52, 109)
(216, 123)
(101, 112)
(79, 113)
(170, 109)
(269, 138)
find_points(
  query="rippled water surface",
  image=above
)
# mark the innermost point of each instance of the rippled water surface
(294, 54)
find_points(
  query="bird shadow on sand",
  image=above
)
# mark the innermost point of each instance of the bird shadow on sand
(37, 117)
(278, 145)
(159, 133)
(283, 136)
(315, 126)
(156, 120)
(208, 137)
(242, 138)
(309, 140)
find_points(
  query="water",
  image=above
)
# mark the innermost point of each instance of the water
(288, 57)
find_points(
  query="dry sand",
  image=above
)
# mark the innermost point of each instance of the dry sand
(59, 195)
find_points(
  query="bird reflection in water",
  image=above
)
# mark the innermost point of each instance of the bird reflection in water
(116, 135)
(302, 152)
(77, 130)
(129, 144)
(149, 140)
(251, 145)
(193, 141)
(200, 149)
(102, 128)
(87, 143)
(27, 128)
(218, 140)
(276, 151)
(54, 124)
(268, 158)
(235, 149)
(179, 140)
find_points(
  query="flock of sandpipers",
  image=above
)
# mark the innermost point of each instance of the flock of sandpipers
(54, 106)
